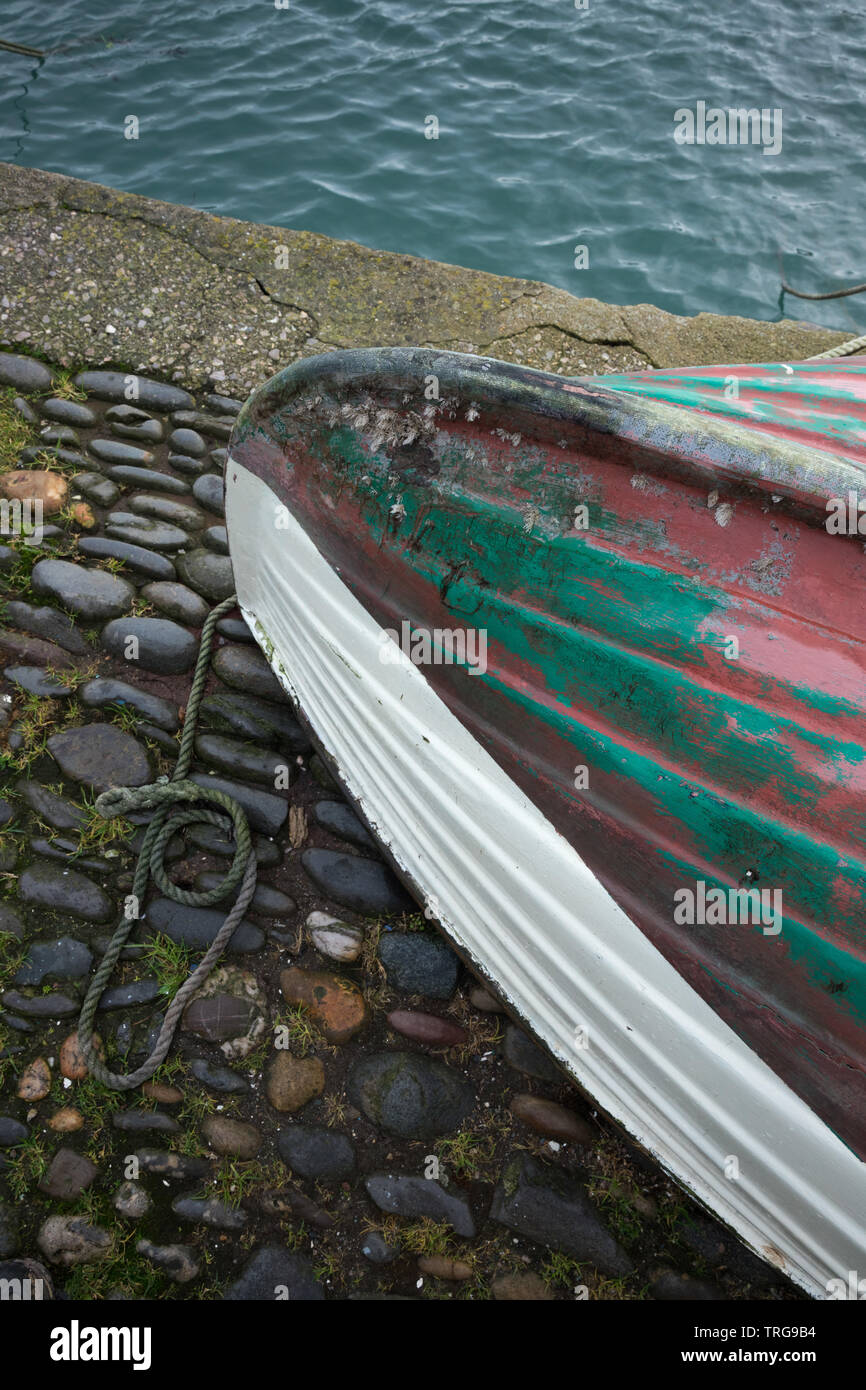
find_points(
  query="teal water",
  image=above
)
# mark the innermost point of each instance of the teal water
(556, 130)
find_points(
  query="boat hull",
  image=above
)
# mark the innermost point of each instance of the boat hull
(604, 661)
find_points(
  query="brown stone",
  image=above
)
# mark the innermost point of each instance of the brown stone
(336, 1005)
(34, 1083)
(428, 1028)
(72, 1063)
(528, 1287)
(165, 1095)
(66, 1120)
(227, 1136)
(48, 488)
(83, 515)
(551, 1119)
(440, 1267)
(218, 1017)
(292, 1081)
(487, 1003)
(22, 647)
(69, 1175)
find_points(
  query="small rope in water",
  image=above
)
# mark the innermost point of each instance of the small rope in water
(168, 800)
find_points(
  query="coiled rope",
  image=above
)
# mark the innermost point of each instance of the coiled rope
(163, 798)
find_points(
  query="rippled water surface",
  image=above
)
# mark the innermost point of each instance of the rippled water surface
(556, 130)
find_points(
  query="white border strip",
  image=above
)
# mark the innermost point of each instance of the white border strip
(515, 896)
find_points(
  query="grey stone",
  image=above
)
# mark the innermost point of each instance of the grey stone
(64, 959)
(151, 395)
(37, 682)
(193, 468)
(41, 1005)
(245, 668)
(10, 922)
(208, 838)
(247, 760)
(265, 811)
(196, 927)
(266, 901)
(177, 1167)
(67, 412)
(47, 623)
(96, 488)
(64, 890)
(129, 995)
(67, 851)
(48, 806)
(210, 1212)
(104, 690)
(130, 476)
(216, 539)
(143, 531)
(221, 1079)
(209, 491)
(92, 594)
(525, 1056)
(223, 405)
(341, 820)
(72, 1240)
(210, 575)
(419, 964)
(101, 755)
(169, 509)
(234, 630)
(136, 557)
(218, 1017)
(377, 1250)
(58, 435)
(365, 885)
(316, 1153)
(24, 373)
(408, 1194)
(271, 1274)
(205, 424)
(409, 1095)
(259, 721)
(144, 1121)
(131, 1200)
(189, 442)
(547, 1206)
(12, 1132)
(178, 1261)
(163, 646)
(115, 452)
(9, 1236)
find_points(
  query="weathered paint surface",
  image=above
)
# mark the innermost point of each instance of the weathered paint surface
(610, 644)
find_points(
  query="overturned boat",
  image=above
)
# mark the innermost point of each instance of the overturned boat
(588, 657)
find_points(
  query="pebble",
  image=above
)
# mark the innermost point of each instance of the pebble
(206, 424)
(260, 721)
(178, 1261)
(553, 1120)
(179, 602)
(549, 1207)
(196, 927)
(165, 1164)
(216, 539)
(669, 1286)
(31, 651)
(25, 410)
(265, 902)
(409, 1094)
(411, 1194)
(131, 1200)
(221, 1079)
(184, 463)
(67, 1120)
(441, 1267)
(131, 476)
(137, 557)
(263, 765)
(234, 629)
(12, 1132)
(190, 442)
(520, 1287)
(114, 452)
(10, 922)
(487, 1003)
(265, 811)
(47, 623)
(54, 1005)
(427, 1028)
(208, 838)
(48, 885)
(227, 1136)
(48, 806)
(64, 959)
(335, 1004)
(24, 373)
(72, 1063)
(37, 682)
(316, 1153)
(105, 690)
(164, 1094)
(69, 1174)
(58, 435)
(72, 1240)
(333, 938)
(210, 1212)
(223, 405)
(67, 412)
(522, 1053)
(9, 1235)
(292, 1081)
(162, 646)
(245, 668)
(210, 492)
(149, 431)
(341, 821)
(364, 885)
(100, 755)
(377, 1250)
(144, 1121)
(152, 395)
(98, 489)
(418, 963)
(131, 529)
(276, 1273)
(168, 509)
(91, 593)
(209, 574)
(219, 1017)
